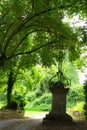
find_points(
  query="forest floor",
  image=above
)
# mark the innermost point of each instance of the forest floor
(33, 122)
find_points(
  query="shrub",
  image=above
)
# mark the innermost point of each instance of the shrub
(31, 97)
(20, 101)
(40, 104)
(14, 105)
(75, 95)
(22, 104)
(45, 99)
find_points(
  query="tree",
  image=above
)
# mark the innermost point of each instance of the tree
(10, 83)
(33, 19)
(15, 32)
(30, 28)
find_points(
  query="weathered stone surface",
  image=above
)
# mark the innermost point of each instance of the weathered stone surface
(58, 110)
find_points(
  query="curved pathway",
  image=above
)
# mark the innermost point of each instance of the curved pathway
(19, 124)
(30, 123)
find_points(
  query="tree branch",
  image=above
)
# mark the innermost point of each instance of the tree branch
(33, 50)
(3, 16)
(24, 39)
(9, 27)
(20, 27)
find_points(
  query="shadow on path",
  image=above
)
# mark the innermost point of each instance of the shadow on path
(35, 123)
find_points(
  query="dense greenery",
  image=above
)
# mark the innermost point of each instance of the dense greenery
(26, 26)
(32, 86)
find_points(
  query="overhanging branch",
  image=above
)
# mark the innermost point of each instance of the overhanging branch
(33, 50)
(25, 38)
(20, 27)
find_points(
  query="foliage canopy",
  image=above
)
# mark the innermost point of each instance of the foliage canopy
(29, 25)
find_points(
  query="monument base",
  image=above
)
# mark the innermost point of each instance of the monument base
(54, 118)
(58, 126)
(58, 119)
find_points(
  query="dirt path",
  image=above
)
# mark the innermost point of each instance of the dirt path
(82, 125)
(19, 124)
(30, 123)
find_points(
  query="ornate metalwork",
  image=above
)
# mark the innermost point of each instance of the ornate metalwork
(61, 78)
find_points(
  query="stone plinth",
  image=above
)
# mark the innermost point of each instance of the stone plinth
(62, 126)
(58, 111)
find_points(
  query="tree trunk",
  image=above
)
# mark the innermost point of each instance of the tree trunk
(10, 83)
(9, 93)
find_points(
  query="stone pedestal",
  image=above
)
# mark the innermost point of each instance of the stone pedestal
(58, 111)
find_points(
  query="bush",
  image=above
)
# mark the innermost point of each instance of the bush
(75, 95)
(14, 105)
(79, 107)
(31, 97)
(20, 101)
(44, 107)
(22, 104)
(45, 99)
(40, 104)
